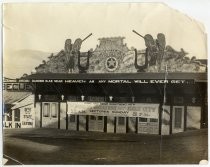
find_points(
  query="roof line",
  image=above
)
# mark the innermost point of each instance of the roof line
(19, 100)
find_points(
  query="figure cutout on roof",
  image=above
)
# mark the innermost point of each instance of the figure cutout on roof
(158, 54)
(71, 50)
(69, 55)
(150, 55)
(152, 49)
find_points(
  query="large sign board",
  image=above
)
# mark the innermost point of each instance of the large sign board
(114, 109)
(115, 81)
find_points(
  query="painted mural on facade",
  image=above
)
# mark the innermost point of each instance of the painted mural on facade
(112, 55)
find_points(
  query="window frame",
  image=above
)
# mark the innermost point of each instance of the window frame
(153, 120)
(92, 117)
(17, 119)
(70, 118)
(175, 117)
(100, 118)
(121, 119)
(143, 118)
(48, 110)
(51, 111)
(50, 107)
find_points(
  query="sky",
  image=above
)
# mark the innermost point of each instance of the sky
(45, 27)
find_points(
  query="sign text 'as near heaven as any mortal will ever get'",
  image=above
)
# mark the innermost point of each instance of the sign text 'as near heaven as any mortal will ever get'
(117, 81)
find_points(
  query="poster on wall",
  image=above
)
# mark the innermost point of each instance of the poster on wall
(114, 109)
(27, 119)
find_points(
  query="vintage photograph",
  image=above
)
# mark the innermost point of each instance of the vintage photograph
(103, 84)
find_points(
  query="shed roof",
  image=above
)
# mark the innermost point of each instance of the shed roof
(10, 97)
(24, 102)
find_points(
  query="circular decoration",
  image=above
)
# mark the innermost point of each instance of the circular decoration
(111, 63)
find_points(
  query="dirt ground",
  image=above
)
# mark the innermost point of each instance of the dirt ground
(186, 148)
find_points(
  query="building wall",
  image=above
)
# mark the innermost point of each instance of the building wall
(23, 117)
(193, 117)
(165, 120)
(37, 110)
(27, 116)
(63, 114)
(173, 121)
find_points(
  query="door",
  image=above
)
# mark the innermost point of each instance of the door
(148, 125)
(178, 119)
(153, 126)
(96, 123)
(120, 124)
(132, 124)
(110, 124)
(72, 124)
(142, 125)
(82, 122)
(50, 114)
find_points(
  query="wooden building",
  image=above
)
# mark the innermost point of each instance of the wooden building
(110, 94)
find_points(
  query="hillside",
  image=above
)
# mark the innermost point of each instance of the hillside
(23, 61)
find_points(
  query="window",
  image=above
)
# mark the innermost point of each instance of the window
(50, 110)
(72, 118)
(17, 115)
(92, 117)
(100, 118)
(178, 118)
(46, 110)
(121, 121)
(153, 120)
(9, 115)
(54, 110)
(142, 119)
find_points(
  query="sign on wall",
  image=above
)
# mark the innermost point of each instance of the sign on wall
(27, 117)
(114, 109)
(10, 124)
(17, 87)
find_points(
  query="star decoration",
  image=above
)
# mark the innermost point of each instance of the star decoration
(111, 62)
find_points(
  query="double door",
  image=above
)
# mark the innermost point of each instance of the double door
(50, 114)
(148, 125)
(96, 123)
